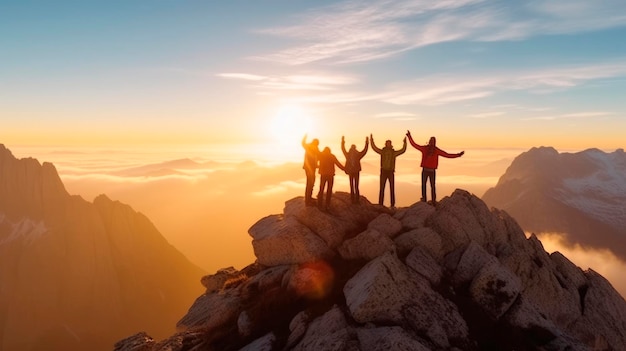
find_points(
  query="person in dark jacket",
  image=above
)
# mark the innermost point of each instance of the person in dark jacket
(429, 164)
(353, 167)
(311, 154)
(327, 163)
(387, 168)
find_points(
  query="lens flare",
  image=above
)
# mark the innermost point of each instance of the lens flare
(313, 280)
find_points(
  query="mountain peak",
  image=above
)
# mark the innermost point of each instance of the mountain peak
(580, 194)
(543, 150)
(28, 188)
(68, 266)
(459, 276)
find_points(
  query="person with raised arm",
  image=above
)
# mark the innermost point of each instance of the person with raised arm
(353, 167)
(311, 154)
(387, 168)
(430, 162)
(327, 163)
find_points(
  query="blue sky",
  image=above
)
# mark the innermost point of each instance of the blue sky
(474, 73)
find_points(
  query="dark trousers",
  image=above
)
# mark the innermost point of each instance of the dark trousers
(326, 181)
(385, 176)
(310, 183)
(427, 174)
(354, 187)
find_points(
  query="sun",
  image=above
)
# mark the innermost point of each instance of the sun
(290, 123)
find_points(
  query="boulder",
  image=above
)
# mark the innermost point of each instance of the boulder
(329, 332)
(388, 338)
(367, 245)
(279, 240)
(386, 225)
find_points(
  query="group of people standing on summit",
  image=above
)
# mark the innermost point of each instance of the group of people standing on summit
(325, 162)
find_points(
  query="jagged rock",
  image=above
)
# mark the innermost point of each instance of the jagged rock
(279, 240)
(297, 328)
(212, 311)
(424, 264)
(138, 342)
(472, 260)
(386, 225)
(495, 289)
(388, 338)
(329, 332)
(264, 343)
(603, 319)
(424, 237)
(380, 291)
(244, 324)
(435, 318)
(216, 281)
(367, 245)
(567, 273)
(414, 217)
(345, 219)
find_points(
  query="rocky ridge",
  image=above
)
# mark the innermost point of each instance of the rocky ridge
(79, 275)
(458, 277)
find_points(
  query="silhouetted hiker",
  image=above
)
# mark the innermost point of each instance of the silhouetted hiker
(387, 168)
(311, 154)
(327, 177)
(353, 167)
(430, 161)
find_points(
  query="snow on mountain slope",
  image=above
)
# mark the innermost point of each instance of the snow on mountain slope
(26, 230)
(581, 195)
(602, 195)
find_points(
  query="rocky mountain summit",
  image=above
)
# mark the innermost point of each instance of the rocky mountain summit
(362, 277)
(79, 275)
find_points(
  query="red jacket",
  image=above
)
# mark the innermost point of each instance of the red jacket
(432, 160)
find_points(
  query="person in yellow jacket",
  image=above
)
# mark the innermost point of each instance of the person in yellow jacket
(387, 168)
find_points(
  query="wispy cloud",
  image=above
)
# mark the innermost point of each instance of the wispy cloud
(357, 31)
(486, 115)
(580, 115)
(243, 76)
(442, 89)
(312, 82)
(307, 82)
(404, 116)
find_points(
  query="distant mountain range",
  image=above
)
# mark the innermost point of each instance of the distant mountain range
(77, 275)
(581, 195)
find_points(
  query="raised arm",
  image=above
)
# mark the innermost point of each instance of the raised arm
(364, 151)
(343, 146)
(401, 151)
(408, 134)
(304, 141)
(374, 147)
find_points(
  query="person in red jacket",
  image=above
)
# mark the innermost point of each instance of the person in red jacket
(327, 162)
(430, 161)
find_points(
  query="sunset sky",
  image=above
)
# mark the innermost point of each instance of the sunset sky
(474, 73)
(111, 91)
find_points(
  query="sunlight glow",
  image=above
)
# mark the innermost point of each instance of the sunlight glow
(290, 123)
